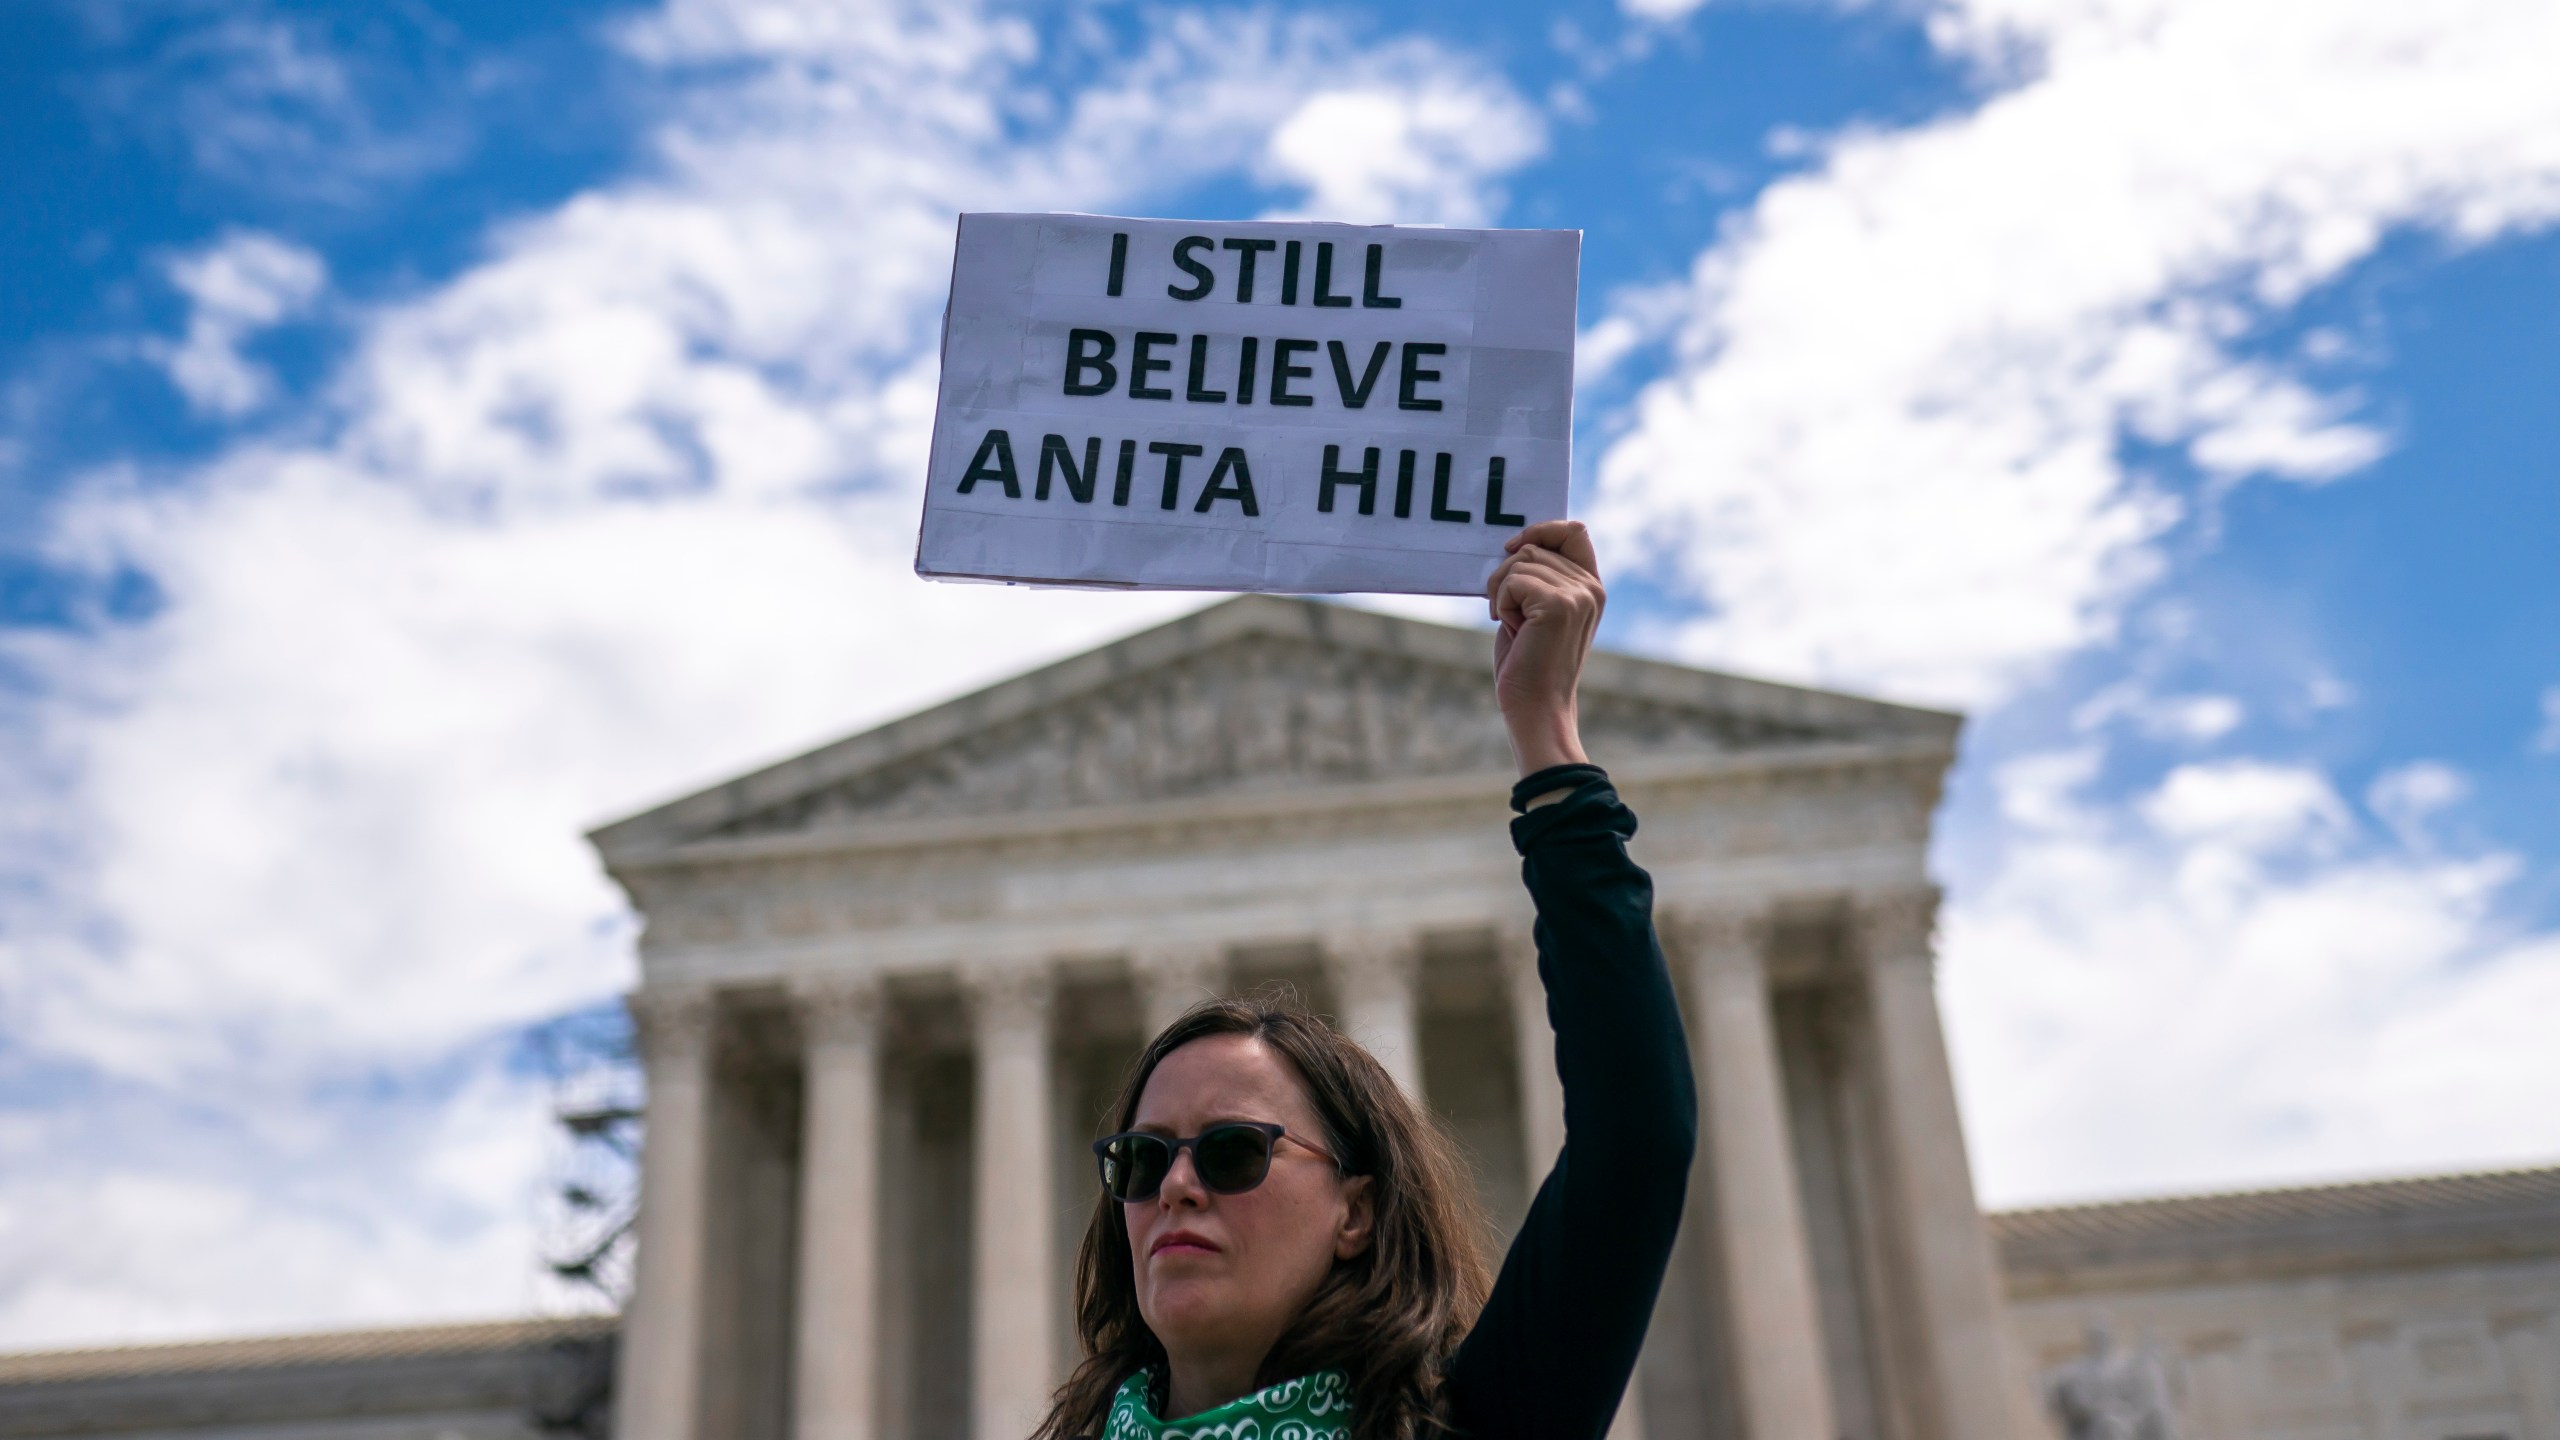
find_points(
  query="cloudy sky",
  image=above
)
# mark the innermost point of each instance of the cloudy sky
(427, 429)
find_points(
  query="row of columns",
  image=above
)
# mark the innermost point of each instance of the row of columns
(1759, 1224)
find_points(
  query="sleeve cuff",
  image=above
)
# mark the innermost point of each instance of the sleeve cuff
(1554, 777)
(1592, 808)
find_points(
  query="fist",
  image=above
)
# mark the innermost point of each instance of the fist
(1546, 600)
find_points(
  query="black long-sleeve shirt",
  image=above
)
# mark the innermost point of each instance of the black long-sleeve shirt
(1552, 1352)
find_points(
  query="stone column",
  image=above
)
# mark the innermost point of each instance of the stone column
(1373, 980)
(834, 1383)
(661, 1361)
(1957, 1305)
(1013, 1354)
(1541, 1089)
(1775, 1317)
(1173, 978)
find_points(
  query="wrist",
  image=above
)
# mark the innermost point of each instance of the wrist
(1543, 742)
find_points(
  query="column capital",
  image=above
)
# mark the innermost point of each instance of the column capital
(1008, 996)
(1365, 963)
(672, 1023)
(1895, 925)
(1720, 936)
(837, 1009)
(1173, 976)
(1189, 964)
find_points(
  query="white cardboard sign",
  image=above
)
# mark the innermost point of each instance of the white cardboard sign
(1305, 408)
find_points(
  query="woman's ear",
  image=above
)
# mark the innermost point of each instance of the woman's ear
(1359, 1218)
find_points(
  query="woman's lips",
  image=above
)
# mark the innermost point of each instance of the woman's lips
(1182, 1242)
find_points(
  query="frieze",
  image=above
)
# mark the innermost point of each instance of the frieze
(1261, 712)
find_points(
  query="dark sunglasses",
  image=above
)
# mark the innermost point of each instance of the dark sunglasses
(1230, 1158)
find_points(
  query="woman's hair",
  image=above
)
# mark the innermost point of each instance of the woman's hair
(1388, 1317)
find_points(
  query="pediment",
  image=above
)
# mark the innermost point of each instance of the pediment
(1254, 695)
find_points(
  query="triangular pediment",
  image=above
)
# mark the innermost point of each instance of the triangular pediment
(1258, 694)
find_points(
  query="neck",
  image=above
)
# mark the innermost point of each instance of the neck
(1198, 1382)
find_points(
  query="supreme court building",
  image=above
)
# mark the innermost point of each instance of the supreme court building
(889, 986)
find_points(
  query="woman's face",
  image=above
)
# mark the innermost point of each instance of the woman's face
(1227, 1273)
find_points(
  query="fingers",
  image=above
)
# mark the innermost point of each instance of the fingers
(1569, 538)
(1533, 575)
(1527, 549)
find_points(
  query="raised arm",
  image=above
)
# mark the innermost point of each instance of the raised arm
(1558, 1339)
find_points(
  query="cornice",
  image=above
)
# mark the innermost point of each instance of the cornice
(1926, 758)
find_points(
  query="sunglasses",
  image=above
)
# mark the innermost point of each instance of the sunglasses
(1230, 1159)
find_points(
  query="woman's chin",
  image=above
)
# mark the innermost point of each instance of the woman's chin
(1188, 1305)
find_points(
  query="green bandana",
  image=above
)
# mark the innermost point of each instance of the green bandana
(1313, 1407)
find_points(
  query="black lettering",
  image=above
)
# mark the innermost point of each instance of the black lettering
(1404, 484)
(1282, 372)
(1493, 496)
(1356, 396)
(1054, 455)
(1412, 374)
(1098, 361)
(1172, 452)
(1440, 490)
(1244, 370)
(1324, 277)
(1244, 265)
(1198, 391)
(1230, 463)
(1119, 263)
(1128, 469)
(1369, 296)
(1289, 273)
(999, 445)
(1366, 477)
(1142, 363)
(1203, 279)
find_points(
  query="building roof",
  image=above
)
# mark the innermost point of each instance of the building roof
(2366, 1225)
(1320, 661)
(328, 1347)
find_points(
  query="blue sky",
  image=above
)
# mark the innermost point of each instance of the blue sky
(427, 429)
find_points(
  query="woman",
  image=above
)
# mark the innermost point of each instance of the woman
(1286, 1247)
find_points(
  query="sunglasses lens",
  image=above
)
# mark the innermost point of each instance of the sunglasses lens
(1134, 1166)
(1233, 1158)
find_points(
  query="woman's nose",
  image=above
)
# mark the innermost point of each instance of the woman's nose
(1182, 1184)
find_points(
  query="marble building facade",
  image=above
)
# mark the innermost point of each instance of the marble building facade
(889, 987)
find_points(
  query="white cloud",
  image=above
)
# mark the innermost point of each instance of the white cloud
(626, 506)
(272, 1216)
(1419, 154)
(1889, 449)
(2407, 797)
(2249, 804)
(2247, 989)
(2547, 740)
(243, 283)
(2195, 719)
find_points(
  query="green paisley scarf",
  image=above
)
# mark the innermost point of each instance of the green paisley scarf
(1313, 1407)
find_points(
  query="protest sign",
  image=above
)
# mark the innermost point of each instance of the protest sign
(1295, 407)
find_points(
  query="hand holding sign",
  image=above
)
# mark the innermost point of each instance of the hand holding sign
(1547, 599)
(1290, 407)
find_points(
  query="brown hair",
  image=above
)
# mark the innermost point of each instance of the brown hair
(1389, 1317)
